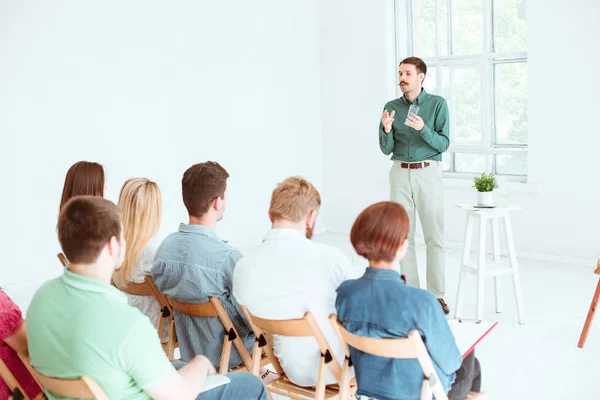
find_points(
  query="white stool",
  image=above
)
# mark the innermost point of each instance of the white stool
(481, 216)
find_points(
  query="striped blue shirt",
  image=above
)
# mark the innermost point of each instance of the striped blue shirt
(189, 266)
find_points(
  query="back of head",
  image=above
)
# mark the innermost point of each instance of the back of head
(293, 199)
(379, 231)
(201, 185)
(141, 205)
(85, 225)
(83, 179)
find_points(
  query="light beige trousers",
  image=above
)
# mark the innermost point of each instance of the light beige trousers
(421, 191)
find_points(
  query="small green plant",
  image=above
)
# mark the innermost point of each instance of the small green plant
(485, 182)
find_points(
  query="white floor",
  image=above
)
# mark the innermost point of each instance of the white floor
(539, 360)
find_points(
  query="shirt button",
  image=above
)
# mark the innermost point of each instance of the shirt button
(410, 158)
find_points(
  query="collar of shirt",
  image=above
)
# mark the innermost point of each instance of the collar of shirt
(284, 234)
(88, 284)
(197, 228)
(382, 274)
(420, 98)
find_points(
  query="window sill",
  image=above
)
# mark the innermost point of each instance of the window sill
(517, 187)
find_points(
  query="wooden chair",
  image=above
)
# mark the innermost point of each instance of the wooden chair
(63, 260)
(79, 388)
(167, 317)
(410, 347)
(305, 326)
(591, 311)
(214, 308)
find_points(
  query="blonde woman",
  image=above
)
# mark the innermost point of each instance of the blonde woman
(141, 205)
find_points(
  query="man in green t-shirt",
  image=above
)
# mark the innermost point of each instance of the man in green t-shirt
(415, 129)
(81, 325)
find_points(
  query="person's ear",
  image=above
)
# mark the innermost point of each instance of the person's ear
(113, 246)
(311, 219)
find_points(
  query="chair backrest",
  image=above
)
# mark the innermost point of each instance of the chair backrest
(597, 271)
(405, 348)
(78, 388)
(298, 327)
(214, 308)
(137, 289)
(63, 260)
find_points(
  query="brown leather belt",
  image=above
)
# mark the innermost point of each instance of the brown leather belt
(415, 165)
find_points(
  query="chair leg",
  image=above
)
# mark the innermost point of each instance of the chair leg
(481, 269)
(512, 254)
(496, 242)
(465, 260)
(225, 355)
(590, 317)
(320, 388)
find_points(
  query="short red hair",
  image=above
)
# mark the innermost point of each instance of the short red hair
(379, 231)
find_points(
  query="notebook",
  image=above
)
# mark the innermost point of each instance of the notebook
(214, 381)
(468, 334)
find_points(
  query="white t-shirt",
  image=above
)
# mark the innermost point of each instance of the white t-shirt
(284, 278)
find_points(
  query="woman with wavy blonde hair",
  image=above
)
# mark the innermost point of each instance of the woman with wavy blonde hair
(141, 205)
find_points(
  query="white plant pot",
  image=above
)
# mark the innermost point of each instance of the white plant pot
(485, 199)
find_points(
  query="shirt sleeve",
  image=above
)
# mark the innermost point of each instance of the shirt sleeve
(11, 318)
(439, 339)
(438, 137)
(386, 140)
(142, 356)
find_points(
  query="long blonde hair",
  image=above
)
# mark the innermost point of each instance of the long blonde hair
(141, 206)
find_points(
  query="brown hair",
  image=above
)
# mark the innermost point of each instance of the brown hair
(201, 185)
(83, 179)
(85, 225)
(379, 231)
(293, 198)
(419, 64)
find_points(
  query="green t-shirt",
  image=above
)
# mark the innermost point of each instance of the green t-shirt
(79, 326)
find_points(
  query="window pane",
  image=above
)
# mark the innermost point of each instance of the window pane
(511, 164)
(510, 25)
(424, 28)
(430, 82)
(474, 163)
(443, 27)
(510, 82)
(466, 109)
(467, 27)
(447, 162)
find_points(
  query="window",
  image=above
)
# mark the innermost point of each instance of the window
(476, 53)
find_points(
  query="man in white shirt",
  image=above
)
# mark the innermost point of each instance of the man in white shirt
(289, 275)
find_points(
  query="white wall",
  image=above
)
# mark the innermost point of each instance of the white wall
(563, 219)
(148, 89)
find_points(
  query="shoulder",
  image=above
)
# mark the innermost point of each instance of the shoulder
(435, 99)
(393, 104)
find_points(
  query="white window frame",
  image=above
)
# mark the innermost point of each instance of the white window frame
(486, 61)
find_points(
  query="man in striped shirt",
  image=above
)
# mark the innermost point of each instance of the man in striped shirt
(193, 263)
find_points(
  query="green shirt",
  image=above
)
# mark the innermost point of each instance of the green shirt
(79, 326)
(410, 145)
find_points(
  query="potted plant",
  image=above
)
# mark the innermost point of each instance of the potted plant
(484, 184)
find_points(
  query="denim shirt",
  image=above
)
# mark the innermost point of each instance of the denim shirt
(381, 305)
(189, 266)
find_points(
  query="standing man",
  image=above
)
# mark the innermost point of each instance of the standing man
(416, 143)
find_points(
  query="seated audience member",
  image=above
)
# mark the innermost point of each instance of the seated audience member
(141, 206)
(289, 274)
(193, 263)
(381, 305)
(13, 339)
(83, 179)
(79, 324)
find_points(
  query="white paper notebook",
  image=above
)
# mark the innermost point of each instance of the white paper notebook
(468, 333)
(214, 381)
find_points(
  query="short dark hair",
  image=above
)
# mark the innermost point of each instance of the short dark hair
(83, 179)
(419, 64)
(379, 231)
(201, 185)
(85, 225)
